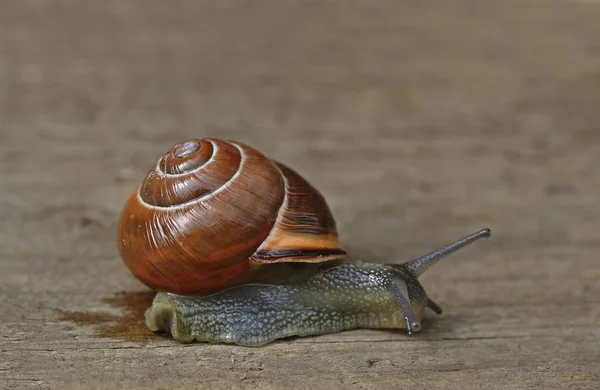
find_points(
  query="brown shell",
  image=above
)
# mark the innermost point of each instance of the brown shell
(210, 211)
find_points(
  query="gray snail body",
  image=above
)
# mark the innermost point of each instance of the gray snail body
(251, 262)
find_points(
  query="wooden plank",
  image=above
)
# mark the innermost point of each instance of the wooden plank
(419, 121)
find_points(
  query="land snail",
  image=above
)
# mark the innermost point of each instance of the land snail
(241, 249)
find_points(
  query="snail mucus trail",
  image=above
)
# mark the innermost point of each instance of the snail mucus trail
(241, 249)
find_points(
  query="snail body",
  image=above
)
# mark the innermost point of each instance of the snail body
(242, 249)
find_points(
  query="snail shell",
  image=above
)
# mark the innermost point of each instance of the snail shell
(210, 211)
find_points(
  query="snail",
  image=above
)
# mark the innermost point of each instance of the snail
(241, 249)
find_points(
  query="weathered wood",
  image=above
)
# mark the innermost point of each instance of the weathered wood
(419, 121)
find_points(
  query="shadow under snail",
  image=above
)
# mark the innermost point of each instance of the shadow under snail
(241, 249)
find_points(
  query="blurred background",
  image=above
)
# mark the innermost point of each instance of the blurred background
(420, 121)
(411, 117)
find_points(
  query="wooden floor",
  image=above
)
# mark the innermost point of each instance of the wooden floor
(420, 121)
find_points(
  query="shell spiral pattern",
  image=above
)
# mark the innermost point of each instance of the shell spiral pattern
(210, 211)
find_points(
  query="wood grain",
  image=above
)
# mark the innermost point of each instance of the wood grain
(419, 122)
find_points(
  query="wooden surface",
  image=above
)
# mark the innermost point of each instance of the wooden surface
(419, 121)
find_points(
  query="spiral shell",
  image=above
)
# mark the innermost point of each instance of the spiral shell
(210, 211)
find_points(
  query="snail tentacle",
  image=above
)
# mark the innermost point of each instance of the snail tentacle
(400, 289)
